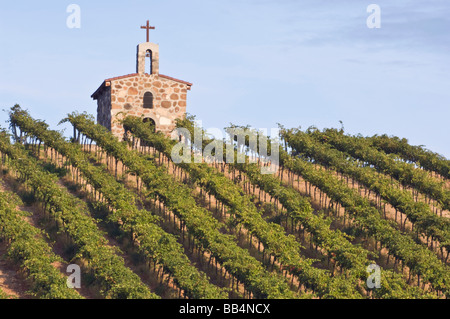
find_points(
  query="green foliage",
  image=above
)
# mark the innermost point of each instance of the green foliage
(284, 248)
(152, 241)
(27, 248)
(418, 213)
(406, 173)
(157, 245)
(199, 222)
(419, 259)
(117, 281)
(416, 154)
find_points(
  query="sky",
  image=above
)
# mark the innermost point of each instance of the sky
(257, 62)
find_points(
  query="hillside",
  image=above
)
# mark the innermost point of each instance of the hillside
(142, 225)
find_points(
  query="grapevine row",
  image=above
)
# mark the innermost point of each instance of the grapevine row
(406, 173)
(152, 241)
(420, 215)
(27, 248)
(199, 221)
(285, 248)
(117, 280)
(420, 260)
(424, 158)
(335, 242)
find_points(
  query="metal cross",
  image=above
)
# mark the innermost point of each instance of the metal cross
(148, 28)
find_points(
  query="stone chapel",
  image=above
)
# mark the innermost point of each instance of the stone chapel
(160, 99)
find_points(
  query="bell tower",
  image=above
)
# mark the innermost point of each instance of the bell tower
(147, 50)
(147, 58)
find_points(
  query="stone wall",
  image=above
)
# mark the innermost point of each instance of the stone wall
(127, 94)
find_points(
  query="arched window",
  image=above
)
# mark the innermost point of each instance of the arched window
(149, 58)
(152, 125)
(148, 100)
(150, 122)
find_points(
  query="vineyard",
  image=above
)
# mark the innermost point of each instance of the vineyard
(339, 214)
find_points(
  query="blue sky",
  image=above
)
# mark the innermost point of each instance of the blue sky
(257, 62)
